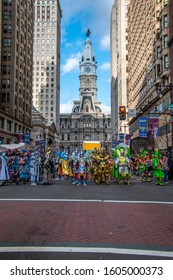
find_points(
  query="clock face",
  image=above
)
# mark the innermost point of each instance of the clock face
(88, 69)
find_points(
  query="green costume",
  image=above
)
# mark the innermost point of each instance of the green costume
(145, 166)
(158, 167)
(121, 167)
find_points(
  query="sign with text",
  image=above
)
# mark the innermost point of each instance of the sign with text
(132, 113)
(143, 126)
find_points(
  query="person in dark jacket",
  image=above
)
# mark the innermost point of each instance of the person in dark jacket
(170, 165)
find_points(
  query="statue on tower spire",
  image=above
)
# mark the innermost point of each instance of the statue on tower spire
(88, 33)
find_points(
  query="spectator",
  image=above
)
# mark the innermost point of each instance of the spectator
(170, 165)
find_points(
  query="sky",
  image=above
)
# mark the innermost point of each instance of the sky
(77, 17)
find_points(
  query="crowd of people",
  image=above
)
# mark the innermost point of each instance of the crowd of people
(38, 167)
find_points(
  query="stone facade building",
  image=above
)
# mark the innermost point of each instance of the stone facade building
(170, 43)
(43, 132)
(86, 122)
(149, 71)
(16, 69)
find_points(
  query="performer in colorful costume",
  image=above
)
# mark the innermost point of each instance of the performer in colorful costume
(82, 170)
(73, 160)
(4, 174)
(158, 166)
(33, 169)
(100, 166)
(121, 168)
(145, 166)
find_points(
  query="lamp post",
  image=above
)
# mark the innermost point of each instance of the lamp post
(170, 106)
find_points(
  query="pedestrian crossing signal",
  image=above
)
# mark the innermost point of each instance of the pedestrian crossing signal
(122, 113)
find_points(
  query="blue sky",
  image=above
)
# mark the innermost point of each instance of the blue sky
(77, 17)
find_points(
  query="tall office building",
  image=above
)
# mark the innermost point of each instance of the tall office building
(0, 37)
(46, 60)
(16, 69)
(119, 65)
(149, 71)
(171, 38)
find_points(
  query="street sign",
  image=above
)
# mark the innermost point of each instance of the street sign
(170, 106)
(132, 112)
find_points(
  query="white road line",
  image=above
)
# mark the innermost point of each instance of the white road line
(85, 200)
(88, 250)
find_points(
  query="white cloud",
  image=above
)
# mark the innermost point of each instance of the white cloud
(105, 42)
(105, 66)
(106, 109)
(92, 14)
(71, 63)
(68, 45)
(67, 107)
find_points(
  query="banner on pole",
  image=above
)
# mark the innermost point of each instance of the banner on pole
(143, 126)
(128, 139)
(121, 138)
(153, 127)
(27, 138)
(20, 137)
(114, 143)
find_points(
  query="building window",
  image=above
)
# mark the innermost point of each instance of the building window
(165, 21)
(1, 122)
(6, 56)
(158, 52)
(7, 28)
(7, 15)
(6, 69)
(158, 34)
(166, 64)
(6, 83)
(7, 42)
(165, 42)
(8, 125)
(158, 70)
(7, 2)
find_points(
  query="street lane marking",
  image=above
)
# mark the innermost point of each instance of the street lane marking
(85, 200)
(87, 250)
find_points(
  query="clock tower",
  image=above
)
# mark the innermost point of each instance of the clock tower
(88, 67)
(86, 122)
(88, 78)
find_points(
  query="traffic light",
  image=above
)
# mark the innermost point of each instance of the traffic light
(122, 113)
